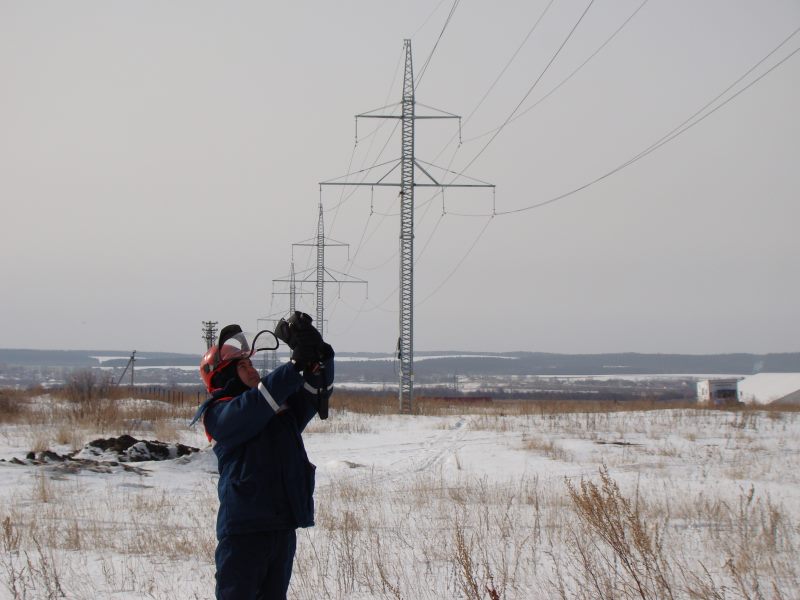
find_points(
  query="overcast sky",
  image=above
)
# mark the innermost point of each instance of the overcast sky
(158, 159)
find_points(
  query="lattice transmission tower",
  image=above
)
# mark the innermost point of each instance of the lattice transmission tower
(319, 274)
(408, 164)
(293, 292)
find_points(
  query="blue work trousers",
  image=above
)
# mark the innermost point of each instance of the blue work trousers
(255, 566)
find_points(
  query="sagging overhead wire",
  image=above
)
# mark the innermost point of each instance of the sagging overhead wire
(498, 78)
(530, 89)
(546, 68)
(342, 199)
(428, 18)
(674, 133)
(439, 39)
(379, 305)
(567, 78)
(542, 99)
(680, 129)
(486, 94)
(458, 265)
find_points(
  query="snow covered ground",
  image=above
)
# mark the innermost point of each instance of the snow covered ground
(449, 506)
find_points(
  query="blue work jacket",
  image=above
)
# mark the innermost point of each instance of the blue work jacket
(266, 481)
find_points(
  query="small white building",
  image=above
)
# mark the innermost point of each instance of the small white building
(763, 388)
(718, 391)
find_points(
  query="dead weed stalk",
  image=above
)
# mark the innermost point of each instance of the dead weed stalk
(640, 568)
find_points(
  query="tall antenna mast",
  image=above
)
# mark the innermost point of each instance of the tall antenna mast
(408, 163)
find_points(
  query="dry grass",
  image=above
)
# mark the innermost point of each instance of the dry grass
(430, 534)
(13, 404)
(388, 404)
(48, 532)
(87, 405)
(91, 402)
(617, 554)
(620, 548)
(546, 446)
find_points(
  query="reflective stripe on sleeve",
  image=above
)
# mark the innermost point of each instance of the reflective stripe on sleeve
(268, 397)
(313, 390)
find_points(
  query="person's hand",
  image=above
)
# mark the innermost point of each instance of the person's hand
(307, 350)
(287, 329)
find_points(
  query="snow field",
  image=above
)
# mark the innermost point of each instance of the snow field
(455, 506)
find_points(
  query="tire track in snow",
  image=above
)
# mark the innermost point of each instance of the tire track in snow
(416, 456)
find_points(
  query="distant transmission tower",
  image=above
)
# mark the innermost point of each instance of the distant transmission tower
(268, 359)
(210, 333)
(319, 274)
(408, 163)
(291, 279)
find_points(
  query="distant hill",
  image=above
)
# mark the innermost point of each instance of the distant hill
(372, 366)
(540, 363)
(90, 358)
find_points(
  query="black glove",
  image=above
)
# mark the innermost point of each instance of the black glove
(306, 352)
(308, 348)
(286, 330)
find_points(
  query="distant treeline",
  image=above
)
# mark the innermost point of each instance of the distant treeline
(444, 364)
(85, 358)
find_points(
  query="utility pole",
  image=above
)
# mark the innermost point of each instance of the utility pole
(210, 333)
(130, 364)
(321, 274)
(408, 163)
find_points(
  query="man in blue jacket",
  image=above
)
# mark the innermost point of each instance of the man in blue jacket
(266, 482)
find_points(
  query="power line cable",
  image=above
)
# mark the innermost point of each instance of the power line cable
(530, 89)
(685, 126)
(555, 55)
(458, 266)
(341, 195)
(428, 18)
(546, 68)
(664, 140)
(380, 304)
(372, 141)
(342, 200)
(551, 92)
(499, 76)
(667, 137)
(417, 83)
(439, 39)
(430, 237)
(567, 78)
